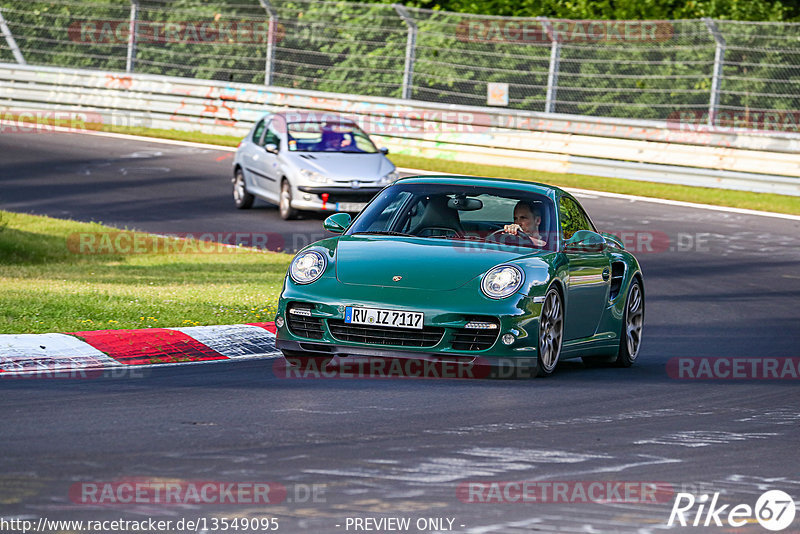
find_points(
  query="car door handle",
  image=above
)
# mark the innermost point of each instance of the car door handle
(606, 274)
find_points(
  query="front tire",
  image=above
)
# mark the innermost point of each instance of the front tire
(285, 206)
(551, 332)
(241, 197)
(632, 323)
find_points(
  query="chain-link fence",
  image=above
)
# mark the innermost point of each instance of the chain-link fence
(738, 73)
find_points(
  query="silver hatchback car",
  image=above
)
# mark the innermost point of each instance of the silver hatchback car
(309, 161)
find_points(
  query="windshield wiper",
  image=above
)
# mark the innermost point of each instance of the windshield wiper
(385, 232)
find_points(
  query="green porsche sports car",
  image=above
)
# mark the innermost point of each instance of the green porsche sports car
(465, 269)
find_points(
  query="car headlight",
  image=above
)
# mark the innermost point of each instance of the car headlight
(502, 281)
(307, 267)
(389, 178)
(314, 176)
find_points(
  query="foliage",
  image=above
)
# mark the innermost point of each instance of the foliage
(360, 48)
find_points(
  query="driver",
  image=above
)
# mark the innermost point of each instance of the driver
(334, 141)
(527, 218)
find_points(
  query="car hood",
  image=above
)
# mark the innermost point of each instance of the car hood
(344, 167)
(422, 263)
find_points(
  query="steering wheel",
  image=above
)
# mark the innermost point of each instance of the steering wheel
(521, 236)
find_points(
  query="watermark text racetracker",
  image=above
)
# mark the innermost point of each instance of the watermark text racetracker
(644, 241)
(731, 121)
(496, 30)
(128, 242)
(65, 370)
(148, 491)
(733, 368)
(210, 31)
(38, 121)
(574, 491)
(125, 242)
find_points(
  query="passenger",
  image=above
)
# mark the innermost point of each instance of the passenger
(527, 218)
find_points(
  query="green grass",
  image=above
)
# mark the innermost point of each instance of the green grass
(47, 285)
(194, 137)
(702, 195)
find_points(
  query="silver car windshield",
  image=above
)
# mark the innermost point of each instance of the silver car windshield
(328, 137)
(462, 212)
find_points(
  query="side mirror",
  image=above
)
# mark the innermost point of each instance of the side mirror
(384, 150)
(272, 148)
(613, 240)
(585, 241)
(337, 223)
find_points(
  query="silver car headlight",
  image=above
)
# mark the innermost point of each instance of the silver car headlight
(307, 266)
(314, 176)
(502, 281)
(389, 178)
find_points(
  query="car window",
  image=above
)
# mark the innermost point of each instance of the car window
(388, 206)
(573, 218)
(458, 211)
(258, 132)
(272, 136)
(414, 214)
(494, 208)
(339, 137)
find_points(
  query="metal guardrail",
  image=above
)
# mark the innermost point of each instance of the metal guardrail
(639, 150)
(712, 72)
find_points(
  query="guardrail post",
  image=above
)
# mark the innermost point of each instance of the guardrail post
(12, 44)
(273, 25)
(552, 71)
(716, 78)
(411, 44)
(132, 36)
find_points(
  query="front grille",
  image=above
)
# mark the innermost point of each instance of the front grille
(473, 339)
(303, 325)
(476, 338)
(384, 335)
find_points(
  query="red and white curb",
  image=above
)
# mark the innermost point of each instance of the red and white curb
(31, 353)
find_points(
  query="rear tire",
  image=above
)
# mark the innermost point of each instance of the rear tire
(241, 197)
(285, 206)
(632, 322)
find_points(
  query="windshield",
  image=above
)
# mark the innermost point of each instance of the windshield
(461, 212)
(328, 137)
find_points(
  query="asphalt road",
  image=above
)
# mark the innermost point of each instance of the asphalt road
(717, 284)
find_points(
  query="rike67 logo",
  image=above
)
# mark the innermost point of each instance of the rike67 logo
(774, 510)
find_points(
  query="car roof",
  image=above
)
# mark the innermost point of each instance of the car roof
(312, 116)
(521, 185)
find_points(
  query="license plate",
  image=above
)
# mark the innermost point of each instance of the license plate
(350, 206)
(379, 317)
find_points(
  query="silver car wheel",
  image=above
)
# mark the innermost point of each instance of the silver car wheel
(241, 197)
(238, 188)
(551, 327)
(285, 202)
(634, 321)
